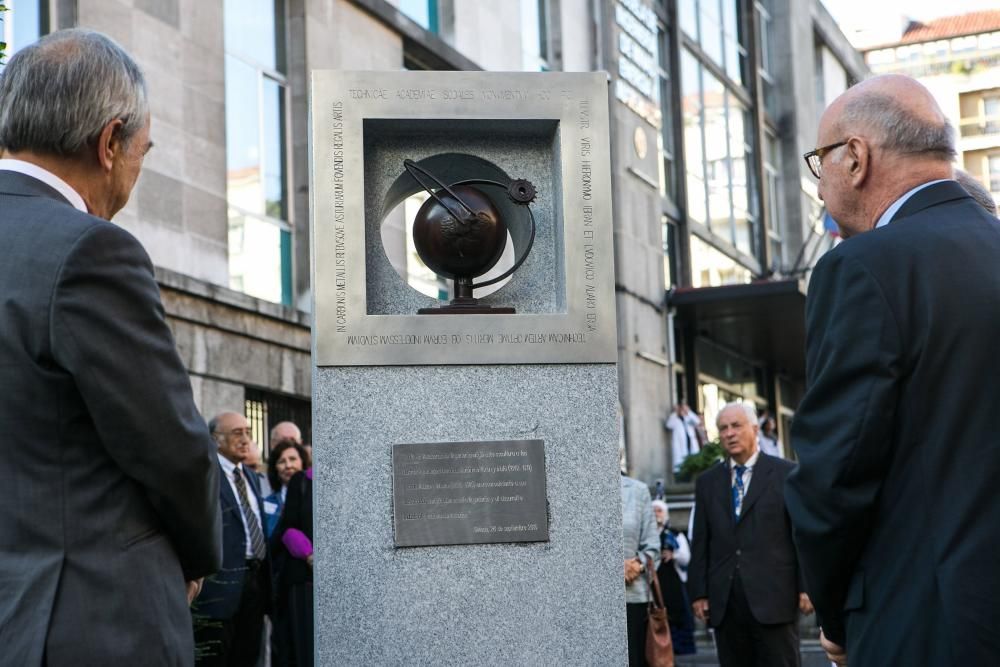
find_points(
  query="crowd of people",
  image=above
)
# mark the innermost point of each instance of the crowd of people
(116, 483)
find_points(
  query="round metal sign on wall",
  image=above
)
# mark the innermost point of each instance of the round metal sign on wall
(639, 143)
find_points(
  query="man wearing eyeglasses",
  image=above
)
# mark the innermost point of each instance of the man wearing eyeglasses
(894, 504)
(228, 615)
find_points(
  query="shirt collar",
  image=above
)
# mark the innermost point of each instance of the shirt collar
(47, 177)
(898, 204)
(227, 465)
(751, 462)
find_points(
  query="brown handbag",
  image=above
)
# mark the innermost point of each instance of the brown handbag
(659, 646)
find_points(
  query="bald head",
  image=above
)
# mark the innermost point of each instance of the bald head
(898, 113)
(286, 431)
(893, 137)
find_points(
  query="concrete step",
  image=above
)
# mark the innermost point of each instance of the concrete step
(812, 656)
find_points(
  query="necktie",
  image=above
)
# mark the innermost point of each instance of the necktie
(738, 490)
(256, 537)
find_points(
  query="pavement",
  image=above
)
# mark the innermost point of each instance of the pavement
(812, 656)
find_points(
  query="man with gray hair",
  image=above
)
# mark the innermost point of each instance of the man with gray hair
(976, 190)
(108, 508)
(894, 502)
(744, 578)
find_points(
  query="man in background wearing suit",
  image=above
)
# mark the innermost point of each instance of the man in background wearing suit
(895, 502)
(744, 577)
(228, 616)
(108, 501)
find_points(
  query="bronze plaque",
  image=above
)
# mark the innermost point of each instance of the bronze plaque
(469, 492)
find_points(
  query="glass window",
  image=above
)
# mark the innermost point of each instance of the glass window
(274, 158)
(725, 137)
(715, 26)
(668, 175)
(23, 23)
(669, 252)
(765, 41)
(711, 29)
(734, 53)
(991, 106)
(717, 156)
(994, 166)
(260, 237)
(711, 268)
(534, 35)
(255, 30)
(424, 12)
(691, 104)
(772, 190)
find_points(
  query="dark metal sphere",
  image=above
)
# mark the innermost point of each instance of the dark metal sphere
(463, 248)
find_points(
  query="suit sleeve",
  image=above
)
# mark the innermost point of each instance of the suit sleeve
(698, 568)
(649, 536)
(108, 330)
(842, 429)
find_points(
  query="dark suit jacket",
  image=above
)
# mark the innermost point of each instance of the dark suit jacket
(895, 504)
(220, 594)
(759, 544)
(107, 501)
(298, 513)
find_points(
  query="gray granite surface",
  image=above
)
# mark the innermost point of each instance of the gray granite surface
(555, 602)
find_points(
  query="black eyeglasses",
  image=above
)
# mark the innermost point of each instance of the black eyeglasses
(814, 158)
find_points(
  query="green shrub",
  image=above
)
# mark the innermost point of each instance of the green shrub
(697, 463)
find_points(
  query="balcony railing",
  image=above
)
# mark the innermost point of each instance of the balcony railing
(979, 127)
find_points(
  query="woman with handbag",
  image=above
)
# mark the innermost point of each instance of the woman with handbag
(641, 549)
(671, 571)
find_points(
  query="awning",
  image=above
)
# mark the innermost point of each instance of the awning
(763, 321)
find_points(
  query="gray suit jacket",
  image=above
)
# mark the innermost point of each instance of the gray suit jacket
(109, 490)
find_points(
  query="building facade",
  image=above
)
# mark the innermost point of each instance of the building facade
(716, 219)
(958, 59)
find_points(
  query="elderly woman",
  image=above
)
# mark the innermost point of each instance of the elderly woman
(671, 571)
(641, 548)
(287, 458)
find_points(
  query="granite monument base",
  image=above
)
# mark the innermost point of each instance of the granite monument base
(529, 603)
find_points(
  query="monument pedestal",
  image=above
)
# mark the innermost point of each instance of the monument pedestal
(387, 379)
(556, 602)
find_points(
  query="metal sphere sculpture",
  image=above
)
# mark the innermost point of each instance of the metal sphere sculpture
(460, 234)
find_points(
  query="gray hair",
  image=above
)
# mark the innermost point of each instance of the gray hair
(977, 191)
(896, 128)
(748, 408)
(58, 94)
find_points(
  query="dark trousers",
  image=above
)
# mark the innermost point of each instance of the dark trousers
(636, 620)
(743, 642)
(236, 641)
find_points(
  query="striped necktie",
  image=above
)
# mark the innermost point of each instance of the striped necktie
(257, 545)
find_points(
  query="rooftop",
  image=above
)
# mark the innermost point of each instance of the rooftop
(947, 27)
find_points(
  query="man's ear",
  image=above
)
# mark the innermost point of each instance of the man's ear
(858, 157)
(109, 144)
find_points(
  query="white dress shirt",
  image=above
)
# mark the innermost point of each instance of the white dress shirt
(747, 476)
(47, 177)
(228, 467)
(898, 204)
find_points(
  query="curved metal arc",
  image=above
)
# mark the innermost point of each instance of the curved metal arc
(527, 249)
(414, 169)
